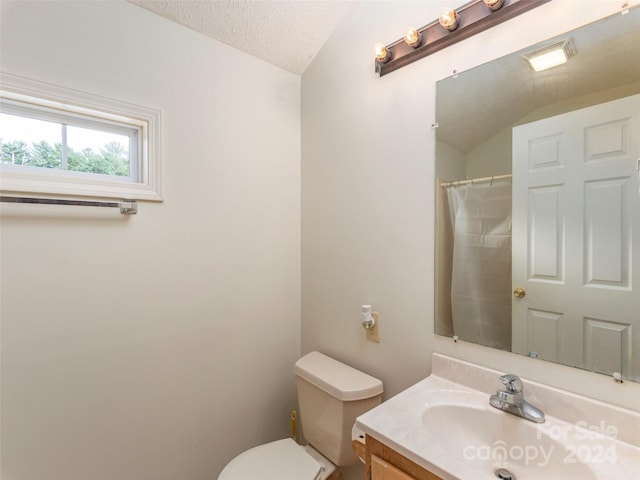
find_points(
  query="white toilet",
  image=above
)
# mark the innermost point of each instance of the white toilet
(330, 395)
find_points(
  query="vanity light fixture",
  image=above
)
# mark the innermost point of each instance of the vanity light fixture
(452, 27)
(383, 54)
(450, 20)
(413, 37)
(550, 56)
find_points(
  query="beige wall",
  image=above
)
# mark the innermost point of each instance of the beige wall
(368, 188)
(156, 346)
(366, 199)
(493, 157)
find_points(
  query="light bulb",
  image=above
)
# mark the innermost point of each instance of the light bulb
(449, 20)
(412, 37)
(383, 54)
(494, 4)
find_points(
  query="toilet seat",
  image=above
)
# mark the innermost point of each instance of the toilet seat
(279, 460)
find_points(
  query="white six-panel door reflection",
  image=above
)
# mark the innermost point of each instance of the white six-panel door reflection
(576, 238)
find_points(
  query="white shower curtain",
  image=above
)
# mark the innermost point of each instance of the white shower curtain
(481, 277)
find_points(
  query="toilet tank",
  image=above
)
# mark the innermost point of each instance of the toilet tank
(331, 395)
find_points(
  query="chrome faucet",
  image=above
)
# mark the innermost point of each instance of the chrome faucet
(512, 401)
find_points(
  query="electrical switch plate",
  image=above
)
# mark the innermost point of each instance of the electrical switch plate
(373, 334)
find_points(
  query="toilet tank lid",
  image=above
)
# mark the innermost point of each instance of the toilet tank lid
(337, 379)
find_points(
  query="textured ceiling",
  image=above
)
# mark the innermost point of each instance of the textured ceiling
(286, 33)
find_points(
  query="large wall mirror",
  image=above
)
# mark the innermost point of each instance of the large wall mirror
(538, 202)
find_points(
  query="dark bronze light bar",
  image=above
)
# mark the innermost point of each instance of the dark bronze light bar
(472, 18)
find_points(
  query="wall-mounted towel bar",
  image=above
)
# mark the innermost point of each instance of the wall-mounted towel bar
(127, 207)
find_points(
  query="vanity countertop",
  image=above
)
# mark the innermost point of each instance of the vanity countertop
(445, 424)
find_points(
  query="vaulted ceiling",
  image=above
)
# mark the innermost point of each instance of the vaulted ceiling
(286, 33)
(289, 33)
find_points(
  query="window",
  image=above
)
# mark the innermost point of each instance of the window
(63, 142)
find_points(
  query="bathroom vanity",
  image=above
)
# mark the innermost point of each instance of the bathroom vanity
(444, 428)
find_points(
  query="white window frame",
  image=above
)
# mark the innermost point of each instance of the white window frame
(41, 100)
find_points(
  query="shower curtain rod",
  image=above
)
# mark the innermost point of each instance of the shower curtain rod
(127, 207)
(473, 181)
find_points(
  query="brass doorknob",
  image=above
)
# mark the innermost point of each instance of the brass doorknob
(519, 292)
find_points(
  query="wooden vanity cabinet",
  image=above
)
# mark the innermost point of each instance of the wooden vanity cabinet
(381, 470)
(384, 463)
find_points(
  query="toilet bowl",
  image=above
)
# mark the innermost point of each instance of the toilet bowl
(279, 460)
(330, 395)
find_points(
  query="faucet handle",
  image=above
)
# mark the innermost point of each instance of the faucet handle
(512, 382)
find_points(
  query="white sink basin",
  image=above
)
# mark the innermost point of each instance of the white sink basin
(487, 439)
(451, 430)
